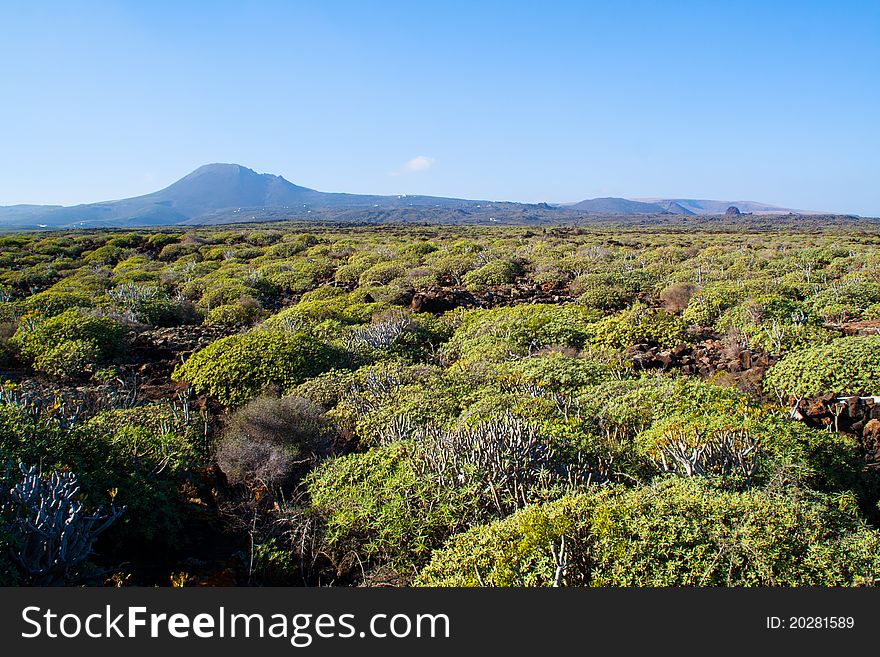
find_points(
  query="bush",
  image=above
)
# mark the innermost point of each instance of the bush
(637, 325)
(99, 336)
(243, 313)
(28, 440)
(845, 302)
(676, 297)
(845, 366)
(678, 532)
(51, 302)
(68, 359)
(555, 373)
(492, 274)
(375, 505)
(706, 307)
(506, 332)
(381, 274)
(751, 447)
(268, 440)
(148, 438)
(236, 368)
(149, 304)
(397, 502)
(604, 297)
(323, 315)
(141, 456)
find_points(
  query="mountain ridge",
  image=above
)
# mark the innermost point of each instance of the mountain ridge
(224, 193)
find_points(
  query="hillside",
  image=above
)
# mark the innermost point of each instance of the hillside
(230, 193)
(611, 205)
(224, 189)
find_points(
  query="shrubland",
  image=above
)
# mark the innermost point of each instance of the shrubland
(445, 405)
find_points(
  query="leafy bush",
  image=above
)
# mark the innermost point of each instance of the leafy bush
(381, 273)
(604, 297)
(26, 439)
(140, 457)
(678, 532)
(514, 331)
(377, 506)
(752, 446)
(149, 304)
(637, 325)
(492, 274)
(236, 368)
(324, 315)
(149, 438)
(51, 302)
(846, 365)
(555, 372)
(243, 313)
(68, 359)
(462, 476)
(706, 307)
(43, 341)
(517, 550)
(846, 302)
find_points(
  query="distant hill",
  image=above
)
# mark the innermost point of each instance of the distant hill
(611, 205)
(706, 206)
(683, 206)
(230, 193)
(209, 191)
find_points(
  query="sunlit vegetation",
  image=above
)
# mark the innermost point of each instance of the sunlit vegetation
(441, 406)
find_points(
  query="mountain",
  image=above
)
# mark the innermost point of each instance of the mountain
(706, 206)
(229, 193)
(673, 207)
(612, 205)
(214, 193)
(683, 206)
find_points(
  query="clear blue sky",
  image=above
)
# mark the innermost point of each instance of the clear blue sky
(558, 101)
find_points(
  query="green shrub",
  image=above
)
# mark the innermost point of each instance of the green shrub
(236, 368)
(555, 373)
(376, 505)
(752, 446)
(326, 317)
(453, 266)
(625, 408)
(845, 366)
(846, 302)
(492, 274)
(678, 532)
(140, 458)
(506, 332)
(243, 313)
(381, 274)
(707, 306)
(68, 359)
(50, 302)
(605, 297)
(28, 440)
(101, 336)
(637, 325)
(397, 502)
(148, 438)
(148, 304)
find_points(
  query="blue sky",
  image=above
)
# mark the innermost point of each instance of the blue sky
(526, 101)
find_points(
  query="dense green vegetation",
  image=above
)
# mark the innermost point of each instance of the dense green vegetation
(285, 404)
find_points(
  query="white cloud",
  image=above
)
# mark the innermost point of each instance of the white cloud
(419, 163)
(416, 165)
